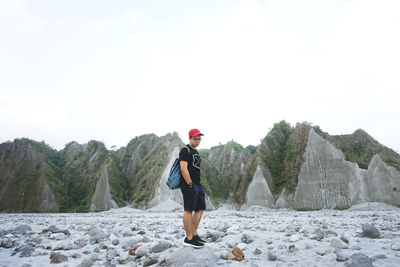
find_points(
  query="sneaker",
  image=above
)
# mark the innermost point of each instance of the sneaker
(197, 237)
(192, 243)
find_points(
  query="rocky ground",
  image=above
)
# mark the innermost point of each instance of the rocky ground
(368, 233)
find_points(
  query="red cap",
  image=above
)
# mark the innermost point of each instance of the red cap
(194, 132)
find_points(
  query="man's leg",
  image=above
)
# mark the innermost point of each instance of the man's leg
(188, 223)
(196, 220)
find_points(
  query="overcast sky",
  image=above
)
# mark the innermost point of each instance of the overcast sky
(113, 70)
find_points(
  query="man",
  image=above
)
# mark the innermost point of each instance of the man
(192, 191)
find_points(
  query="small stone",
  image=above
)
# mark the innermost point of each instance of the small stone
(257, 251)
(292, 249)
(227, 255)
(142, 251)
(379, 257)
(145, 239)
(58, 236)
(111, 254)
(330, 232)
(294, 238)
(124, 258)
(37, 239)
(86, 262)
(127, 234)
(308, 246)
(94, 231)
(22, 229)
(98, 238)
(75, 255)
(238, 253)
(345, 236)
(109, 264)
(272, 256)
(133, 249)
(58, 258)
(115, 242)
(320, 237)
(268, 242)
(396, 246)
(370, 231)
(26, 251)
(80, 242)
(54, 229)
(160, 247)
(321, 251)
(338, 243)
(341, 255)
(247, 239)
(150, 261)
(36, 253)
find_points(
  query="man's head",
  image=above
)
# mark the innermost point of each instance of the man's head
(194, 137)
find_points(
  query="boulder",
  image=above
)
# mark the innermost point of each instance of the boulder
(370, 231)
(359, 260)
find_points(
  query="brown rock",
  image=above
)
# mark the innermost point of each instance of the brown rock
(58, 258)
(238, 254)
(320, 237)
(133, 249)
(80, 242)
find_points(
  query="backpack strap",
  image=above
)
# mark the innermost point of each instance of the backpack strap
(188, 149)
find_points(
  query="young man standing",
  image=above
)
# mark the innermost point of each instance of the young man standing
(192, 191)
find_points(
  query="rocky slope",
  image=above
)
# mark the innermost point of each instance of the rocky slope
(298, 167)
(28, 179)
(312, 173)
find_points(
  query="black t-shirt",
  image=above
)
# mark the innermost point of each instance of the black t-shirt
(193, 160)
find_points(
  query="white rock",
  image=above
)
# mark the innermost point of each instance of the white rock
(233, 230)
(227, 255)
(58, 236)
(294, 238)
(65, 245)
(142, 250)
(346, 235)
(396, 246)
(123, 258)
(338, 243)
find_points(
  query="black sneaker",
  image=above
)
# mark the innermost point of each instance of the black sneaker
(197, 237)
(192, 243)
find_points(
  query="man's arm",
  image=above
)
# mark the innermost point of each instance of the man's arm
(185, 171)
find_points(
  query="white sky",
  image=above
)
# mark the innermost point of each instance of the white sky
(113, 70)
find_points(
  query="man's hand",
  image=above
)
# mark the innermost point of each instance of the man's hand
(185, 172)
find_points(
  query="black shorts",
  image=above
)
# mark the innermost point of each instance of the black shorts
(193, 198)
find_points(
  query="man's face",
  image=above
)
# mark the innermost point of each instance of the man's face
(195, 140)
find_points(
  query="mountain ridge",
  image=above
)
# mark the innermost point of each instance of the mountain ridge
(89, 177)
